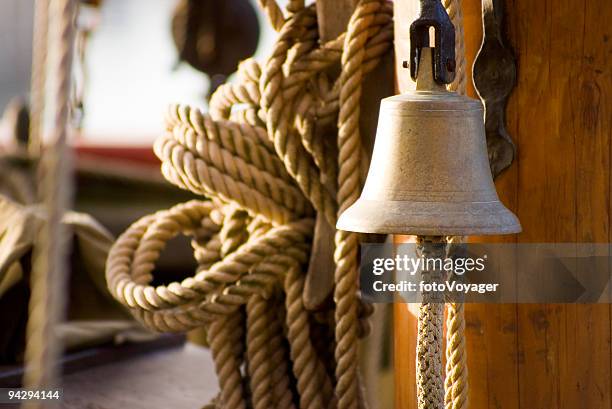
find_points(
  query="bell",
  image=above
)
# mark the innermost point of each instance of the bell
(430, 172)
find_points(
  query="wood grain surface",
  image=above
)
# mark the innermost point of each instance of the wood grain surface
(182, 378)
(559, 115)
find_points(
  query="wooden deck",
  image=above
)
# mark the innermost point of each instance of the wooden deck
(177, 378)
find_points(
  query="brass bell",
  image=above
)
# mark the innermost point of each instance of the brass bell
(430, 172)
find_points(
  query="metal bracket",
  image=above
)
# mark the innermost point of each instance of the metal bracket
(433, 14)
(494, 77)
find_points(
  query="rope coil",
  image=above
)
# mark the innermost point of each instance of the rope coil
(257, 157)
(266, 172)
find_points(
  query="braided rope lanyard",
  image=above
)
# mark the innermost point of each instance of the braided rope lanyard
(49, 259)
(256, 156)
(430, 385)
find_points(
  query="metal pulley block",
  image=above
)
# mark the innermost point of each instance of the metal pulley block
(214, 36)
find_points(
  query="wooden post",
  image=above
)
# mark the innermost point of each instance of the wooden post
(333, 16)
(537, 355)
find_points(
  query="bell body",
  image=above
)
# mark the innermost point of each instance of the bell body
(430, 172)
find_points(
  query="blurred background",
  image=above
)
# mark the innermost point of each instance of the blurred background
(132, 59)
(131, 67)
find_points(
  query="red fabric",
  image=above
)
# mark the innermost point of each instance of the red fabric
(134, 154)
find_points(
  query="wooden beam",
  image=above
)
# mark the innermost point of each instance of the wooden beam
(333, 16)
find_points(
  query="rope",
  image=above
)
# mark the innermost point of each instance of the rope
(257, 157)
(49, 260)
(359, 30)
(226, 363)
(281, 380)
(456, 381)
(274, 13)
(258, 337)
(430, 383)
(312, 383)
(39, 75)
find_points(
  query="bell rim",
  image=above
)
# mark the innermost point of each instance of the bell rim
(458, 219)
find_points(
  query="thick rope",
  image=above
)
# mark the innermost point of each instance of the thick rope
(49, 260)
(226, 363)
(430, 381)
(349, 185)
(278, 354)
(456, 380)
(456, 383)
(39, 75)
(258, 338)
(278, 108)
(305, 362)
(274, 13)
(257, 156)
(219, 290)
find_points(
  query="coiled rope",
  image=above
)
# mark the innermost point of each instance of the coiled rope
(266, 172)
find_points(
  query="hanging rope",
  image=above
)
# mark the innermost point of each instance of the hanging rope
(49, 260)
(39, 75)
(456, 380)
(429, 380)
(349, 184)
